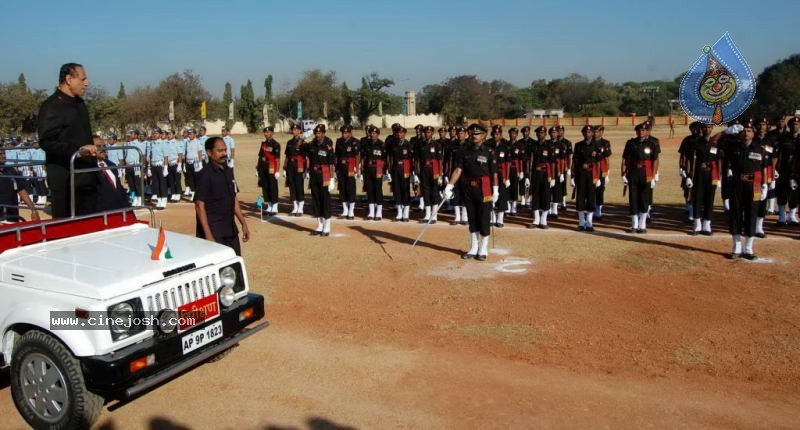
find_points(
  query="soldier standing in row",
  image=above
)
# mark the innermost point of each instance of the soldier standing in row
(451, 153)
(267, 167)
(516, 171)
(415, 141)
(373, 159)
(702, 178)
(401, 158)
(560, 157)
(159, 169)
(174, 152)
(566, 144)
(294, 167)
(500, 149)
(348, 157)
(476, 166)
(746, 172)
(786, 190)
(322, 179)
(586, 177)
(541, 177)
(428, 155)
(639, 164)
(524, 143)
(230, 144)
(770, 161)
(194, 161)
(604, 147)
(685, 151)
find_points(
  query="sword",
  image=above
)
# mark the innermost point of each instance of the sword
(439, 206)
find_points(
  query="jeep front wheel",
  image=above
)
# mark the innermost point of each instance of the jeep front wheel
(48, 387)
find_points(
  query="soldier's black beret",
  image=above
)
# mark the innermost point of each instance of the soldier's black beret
(418, 127)
(320, 128)
(345, 128)
(477, 129)
(461, 128)
(497, 129)
(541, 129)
(526, 129)
(643, 126)
(111, 136)
(513, 131)
(598, 128)
(793, 121)
(373, 129)
(427, 128)
(586, 127)
(296, 127)
(268, 128)
(191, 131)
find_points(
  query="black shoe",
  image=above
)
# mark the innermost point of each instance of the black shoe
(454, 222)
(481, 258)
(734, 256)
(780, 223)
(581, 228)
(422, 221)
(543, 227)
(761, 235)
(706, 233)
(750, 257)
(325, 234)
(433, 221)
(793, 222)
(405, 219)
(467, 256)
(370, 218)
(499, 225)
(598, 218)
(590, 229)
(694, 233)
(464, 222)
(315, 233)
(641, 230)
(350, 217)
(531, 225)
(378, 218)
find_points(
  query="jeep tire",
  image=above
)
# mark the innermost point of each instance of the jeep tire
(48, 387)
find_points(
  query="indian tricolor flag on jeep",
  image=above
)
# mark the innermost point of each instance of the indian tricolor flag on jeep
(161, 250)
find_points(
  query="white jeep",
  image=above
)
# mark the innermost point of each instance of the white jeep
(88, 317)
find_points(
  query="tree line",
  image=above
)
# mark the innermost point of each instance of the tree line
(324, 97)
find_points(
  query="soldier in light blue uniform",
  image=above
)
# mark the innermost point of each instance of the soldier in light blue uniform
(159, 169)
(39, 184)
(230, 143)
(174, 152)
(193, 162)
(201, 139)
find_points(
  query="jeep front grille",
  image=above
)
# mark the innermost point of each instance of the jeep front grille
(174, 295)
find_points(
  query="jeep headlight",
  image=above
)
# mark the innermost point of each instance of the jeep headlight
(124, 319)
(226, 296)
(228, 276)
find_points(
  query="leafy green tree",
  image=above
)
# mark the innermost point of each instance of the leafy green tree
(371, 95)
(121, 93)
(315, 89)
(778, 88)
(347, 101)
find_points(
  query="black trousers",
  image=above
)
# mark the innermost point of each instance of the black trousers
(743, 209)
(190, 173)
(502, 199)
(401, 187)
(373, 186)
(478, 211)
(347, 185)
(174, 180)
(61, 186)
(269, 187)
(320, 196)
(584, 191)
(294, 181)
(600, 193)
(430, 191)
(540, 190)
(133, 181)
(639, 192)
(513, 191)
(702, 193)
(232, 241)
(784, 192)
(557, 193)
(158, 183)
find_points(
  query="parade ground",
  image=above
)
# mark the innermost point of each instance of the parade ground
(557, 329)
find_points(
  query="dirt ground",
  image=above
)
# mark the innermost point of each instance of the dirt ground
(557, 329)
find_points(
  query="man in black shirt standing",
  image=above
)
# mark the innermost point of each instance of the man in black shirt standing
(215, 199)
(63, 129)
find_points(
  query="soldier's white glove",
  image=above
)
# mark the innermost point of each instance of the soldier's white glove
(258, 175)
(793, 184)
(360, 177)
(198, 166)
(772, 185)
(734, 129)
(521, 176)
(305, 176)
(730, 173)
(507, 183)
(527, 183)
(608, 179)
(718, 184)
(230, 163)
(689, 183)
(598, 183)
(277, 175)
(624, 180)
(448, 191)
(331, 185)
(415, 178)
(653, 183)
(165, 171)
(552, 183)
(572, 182)
(763, 191)
(569, 172)
(388, 177)
(495, 194)
(683, 173)
(149, 172)
(657, 177)
(561, 178)
(446, 180)
(440, 181)
(775, 175)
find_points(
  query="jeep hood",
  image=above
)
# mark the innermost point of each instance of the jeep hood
(105, 264)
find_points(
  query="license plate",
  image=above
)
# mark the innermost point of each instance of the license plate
(197, 312)
(198, 339)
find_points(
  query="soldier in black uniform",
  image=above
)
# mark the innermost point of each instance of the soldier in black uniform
(560, 156)
(348, 157)
(295, 168)
(639, 167)
(541, 176)
(415, 144)
(684, 164)
(786, 188)
(401, 158)
(702, 177)
(476, 166)
(586, 177)
(373, 159)
(567, 155)
(428, 155)
(451, 154)
(524, 143)
(516, 171)
(780, 128)
(501, 151)
(322, 179)
(267, 167)
(604, 146)
(746, 172)
(770, 161)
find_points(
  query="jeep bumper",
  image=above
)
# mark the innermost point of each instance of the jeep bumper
(110, 375)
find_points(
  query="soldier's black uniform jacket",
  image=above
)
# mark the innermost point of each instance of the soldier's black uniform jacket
(703, 154)
(295, 154)
(476, 163)
(372, 152)
(402, 151)
(450, 153)
(585, 156)
(346, 151)
(426, 152)
(268, 155)
(320, 152)
(745, 161)
(539, 154)
(786, 146)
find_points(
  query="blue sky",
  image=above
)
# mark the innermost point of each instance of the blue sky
(412, 42)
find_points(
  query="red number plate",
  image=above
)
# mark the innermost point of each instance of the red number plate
(197, 312)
